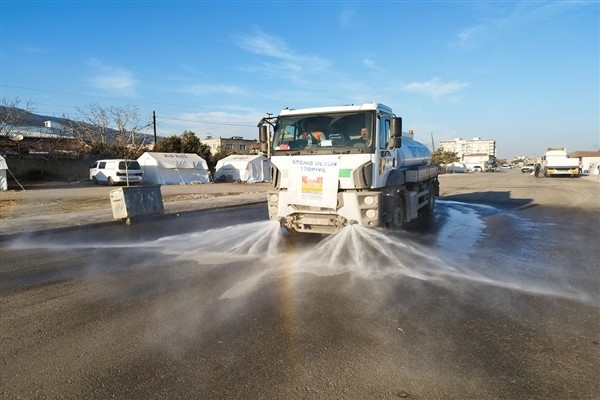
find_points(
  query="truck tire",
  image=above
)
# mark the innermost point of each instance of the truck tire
(94, 180)
(396, 220)
(429, 209)
(110, 181)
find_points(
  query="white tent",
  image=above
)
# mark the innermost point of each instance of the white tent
(243, 168)
(3, 169)
(456, 167)
(173, 168)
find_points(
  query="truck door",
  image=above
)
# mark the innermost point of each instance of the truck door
(387, 160)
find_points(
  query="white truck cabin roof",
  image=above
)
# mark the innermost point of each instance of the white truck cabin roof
(336, 109)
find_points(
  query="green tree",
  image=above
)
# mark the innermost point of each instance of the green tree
(189, 142)
(169, 145)
(205, 153)
(440, 156)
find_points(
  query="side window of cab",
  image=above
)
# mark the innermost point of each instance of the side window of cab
(384, 133)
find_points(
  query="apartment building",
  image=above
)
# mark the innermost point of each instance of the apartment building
(473, 153)
(464, 147)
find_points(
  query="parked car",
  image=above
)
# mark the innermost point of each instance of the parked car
(528, 168)
(116, 171)
(477, 168)
(504, 166)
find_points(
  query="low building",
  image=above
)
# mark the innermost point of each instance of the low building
(588, 160)
(233, 145)
(52, 138)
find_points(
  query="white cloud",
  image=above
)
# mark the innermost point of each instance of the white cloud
(435, 88)
(367, 62)
(469, 37)
(501, 21)
(115, 80)
(283, 59)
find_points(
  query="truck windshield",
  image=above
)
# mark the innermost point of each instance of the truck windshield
(335, 131)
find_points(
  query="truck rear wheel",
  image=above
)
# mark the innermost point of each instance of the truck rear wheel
(429, 209)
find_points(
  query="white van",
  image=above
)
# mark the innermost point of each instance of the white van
(116, 171)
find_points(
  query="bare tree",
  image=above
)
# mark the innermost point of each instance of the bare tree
(93, 125)
(129, 128)
(114, 131)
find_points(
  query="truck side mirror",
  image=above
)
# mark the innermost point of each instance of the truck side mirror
(263, 134)
(395, 132)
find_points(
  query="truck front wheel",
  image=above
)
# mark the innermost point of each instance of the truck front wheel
(396, 214)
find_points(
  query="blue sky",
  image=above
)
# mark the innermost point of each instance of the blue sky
(523, 73)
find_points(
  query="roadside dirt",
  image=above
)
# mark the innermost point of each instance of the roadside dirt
(55, 205)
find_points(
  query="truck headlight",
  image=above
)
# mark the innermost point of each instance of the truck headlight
(371, 213)
(369, 200)
(274, 198)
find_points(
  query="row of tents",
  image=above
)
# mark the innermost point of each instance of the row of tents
(187, 168)
(184, 168)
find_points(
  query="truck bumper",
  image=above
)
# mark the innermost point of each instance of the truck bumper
(354, 207)
(561, 172)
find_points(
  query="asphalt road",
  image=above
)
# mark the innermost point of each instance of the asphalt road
(498, 298)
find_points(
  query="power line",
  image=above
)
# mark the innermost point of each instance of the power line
(92, 96)
(203, 122)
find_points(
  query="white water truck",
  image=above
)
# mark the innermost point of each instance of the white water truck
(336, 166)
(556, 162)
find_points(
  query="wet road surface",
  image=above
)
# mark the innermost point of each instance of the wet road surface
(496, 299)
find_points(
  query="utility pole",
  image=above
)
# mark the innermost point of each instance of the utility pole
(432, 143)
(154, 123)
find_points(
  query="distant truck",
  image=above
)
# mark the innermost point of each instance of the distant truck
(556, 162)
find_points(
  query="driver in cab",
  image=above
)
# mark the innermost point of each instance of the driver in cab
(364, 140)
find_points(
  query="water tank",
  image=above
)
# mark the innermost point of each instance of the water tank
(412, 154)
